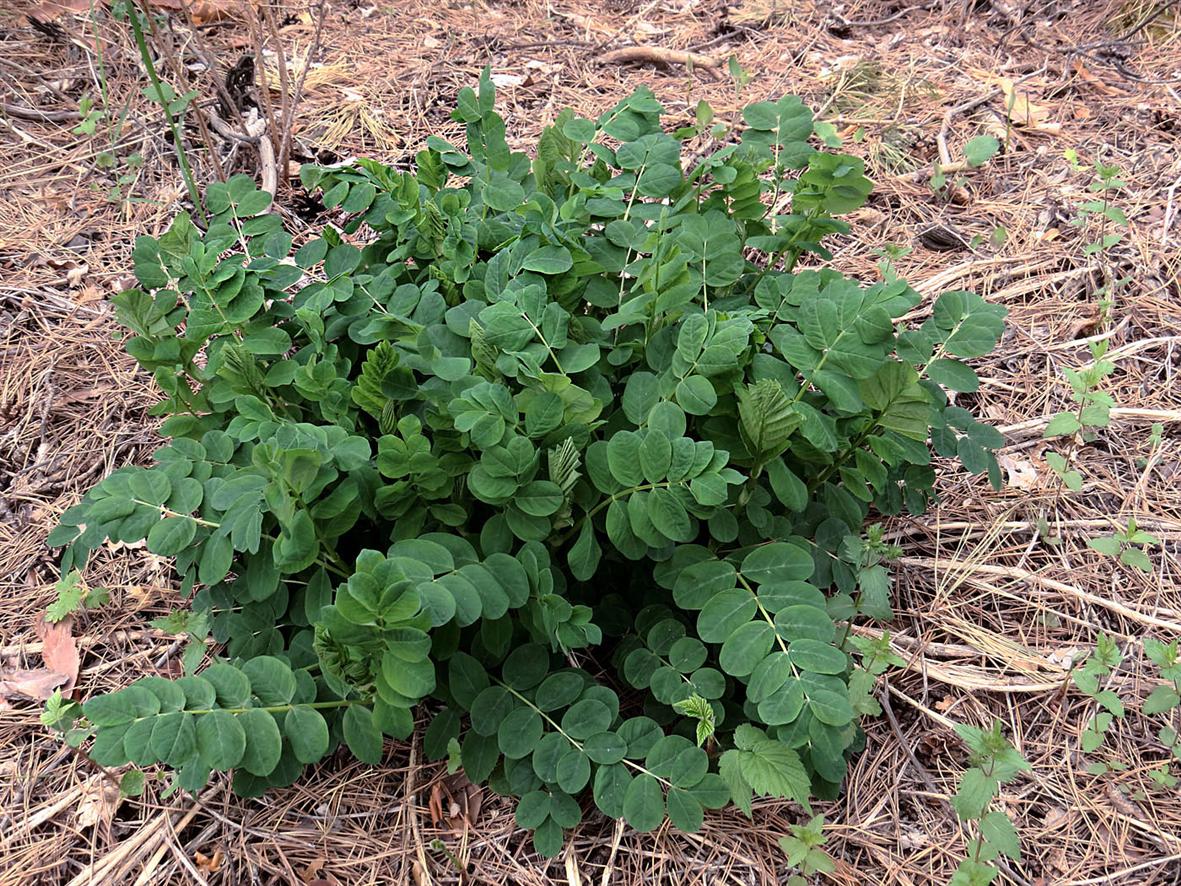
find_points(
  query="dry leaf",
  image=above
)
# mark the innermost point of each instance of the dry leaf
(1065, 659)
(1122, 804)
(504, 80)
(75, 275)
(435, 803)
(36, 684)
(49, 10)
(1056, 817)
(210, 864)
(1020, 471)
(312, 872)
(455, 802)
(1098, 83)
(90, 293)
(100, 800)
(202, 11)
(59, 652)
(913, 839)
(1019, 107)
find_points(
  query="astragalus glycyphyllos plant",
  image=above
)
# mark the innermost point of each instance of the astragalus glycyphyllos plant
(564, 449)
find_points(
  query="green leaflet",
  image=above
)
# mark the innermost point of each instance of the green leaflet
(511, 407)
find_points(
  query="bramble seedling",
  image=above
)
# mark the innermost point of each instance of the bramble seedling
(1130, 545)
(1166, 699)
(805, 850)
(74, 596)
(1098, 666)
(995, 762)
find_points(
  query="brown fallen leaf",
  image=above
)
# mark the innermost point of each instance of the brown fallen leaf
(36, 684)
(59, 651)
(210, 864)
(203, 11)
(49, 10)
(455, 802)
(311, 873)
(1020, 108)
(100, 800)
(1101, 86)
(1021, 472)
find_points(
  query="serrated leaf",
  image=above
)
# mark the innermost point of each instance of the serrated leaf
(1161, 699)
(772, 769)
(766, 417)
(975, 793)
(1062, 424)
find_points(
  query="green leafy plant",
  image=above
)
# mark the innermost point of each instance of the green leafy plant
(1094, 405)
(91, 116)
(980, 149)
(1096, 218)
(565, 448)
(1166, 699)
(995, 762)
(1098, 666)
(805, 850)
(1130, 545)
(73, 596)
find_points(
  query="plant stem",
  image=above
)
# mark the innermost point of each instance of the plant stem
(150, 66)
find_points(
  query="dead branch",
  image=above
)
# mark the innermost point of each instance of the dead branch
(658, 55)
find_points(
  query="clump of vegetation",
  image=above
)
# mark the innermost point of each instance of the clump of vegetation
(568, 452)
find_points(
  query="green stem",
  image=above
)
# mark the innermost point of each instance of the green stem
(767, 617)
(340, 569)
(573, 741)
(281, 708)
(150, 67)
(644, 487)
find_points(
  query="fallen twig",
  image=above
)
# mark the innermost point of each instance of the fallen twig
(1119, 412)
(40, 116)
(268, 171)
(660, 56)
(1032, 578)
(288, 124)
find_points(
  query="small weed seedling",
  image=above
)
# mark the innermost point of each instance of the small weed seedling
(1130, 545)
(73, 596)
(1105, 185)
(994, 762)
(977, 152)
(1094, 405)
(1099, 665)
(805, 850)
(1166, 699)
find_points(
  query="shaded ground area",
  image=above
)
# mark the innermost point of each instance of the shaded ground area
(998, 593)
